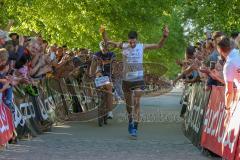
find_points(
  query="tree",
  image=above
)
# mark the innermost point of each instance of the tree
(76, 23)
(213, 15)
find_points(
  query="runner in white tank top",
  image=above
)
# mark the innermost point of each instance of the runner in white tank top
(133, 76)
(132, 62)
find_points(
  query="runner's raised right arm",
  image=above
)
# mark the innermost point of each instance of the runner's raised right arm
(106, 39)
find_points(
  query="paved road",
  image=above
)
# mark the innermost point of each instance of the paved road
(160, 137)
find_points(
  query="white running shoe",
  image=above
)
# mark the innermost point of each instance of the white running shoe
(110, 115)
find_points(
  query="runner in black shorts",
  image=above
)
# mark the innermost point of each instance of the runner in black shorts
(133, 76)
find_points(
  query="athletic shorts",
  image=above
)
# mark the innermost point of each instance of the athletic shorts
(128, 86)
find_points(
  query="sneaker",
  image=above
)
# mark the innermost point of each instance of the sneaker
(110, 115)
(134, 133)
(105, 118)
(120, 101)
(135, 128)
(130, 127)
(132, 130)
(100, 121)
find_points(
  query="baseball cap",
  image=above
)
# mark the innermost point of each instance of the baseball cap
(3, 34)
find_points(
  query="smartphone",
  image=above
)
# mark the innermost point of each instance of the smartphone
(212, 65)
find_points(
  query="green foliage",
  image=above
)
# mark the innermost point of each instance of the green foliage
(213, 15)
(76, 23)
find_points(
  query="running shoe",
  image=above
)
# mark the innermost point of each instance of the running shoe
(105, 118)
(134, 133)
(100, 121)
(110, 115)
(132, 129)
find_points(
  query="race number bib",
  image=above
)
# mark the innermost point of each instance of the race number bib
(134, 71)
(134, 75)
(101, 81)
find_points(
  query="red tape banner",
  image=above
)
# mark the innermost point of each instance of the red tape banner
(6, 124)
(218, 137)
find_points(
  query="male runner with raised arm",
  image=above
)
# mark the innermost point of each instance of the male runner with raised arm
(133, 76)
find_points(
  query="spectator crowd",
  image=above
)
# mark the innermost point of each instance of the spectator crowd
(27, 60)
(213, 61)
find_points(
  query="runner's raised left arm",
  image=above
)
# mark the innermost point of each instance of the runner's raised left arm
(161, 42)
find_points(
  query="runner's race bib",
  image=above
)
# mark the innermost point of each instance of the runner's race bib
(134, 75)
(132, 62)
(101, 81)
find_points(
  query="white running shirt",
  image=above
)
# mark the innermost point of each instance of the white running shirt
(231, 69)
(132, 62)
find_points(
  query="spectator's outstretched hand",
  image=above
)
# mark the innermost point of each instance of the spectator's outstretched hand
(216, 75)
(194, 66)
(25, 80)
(12, 80)
(199, 56)
(204, 71)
